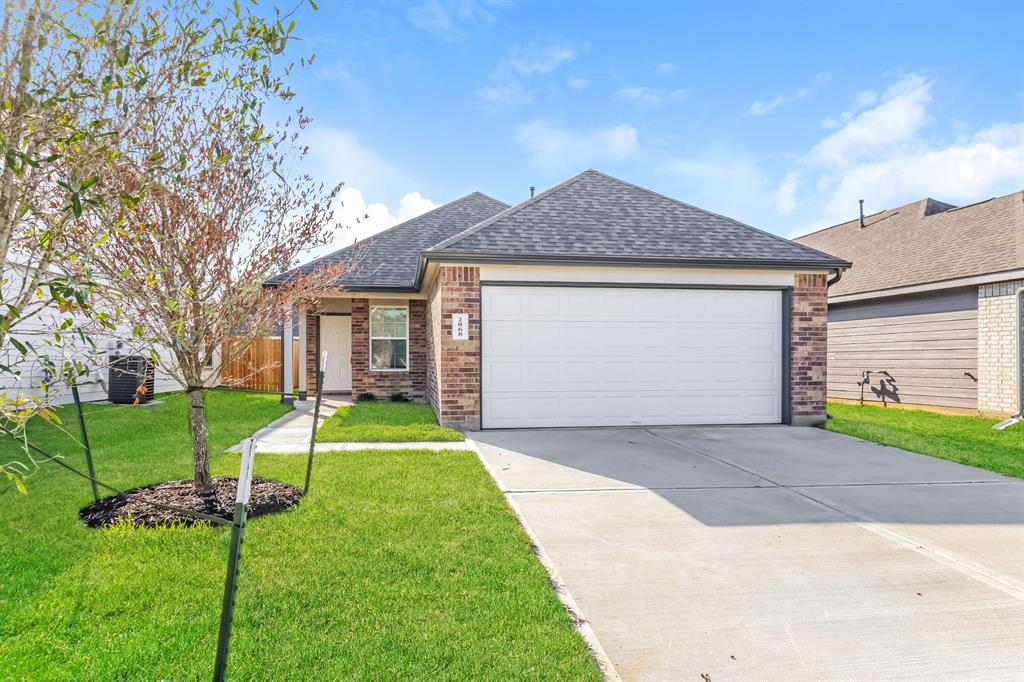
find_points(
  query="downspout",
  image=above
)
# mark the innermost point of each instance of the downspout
(1019, 416)
(834, 280)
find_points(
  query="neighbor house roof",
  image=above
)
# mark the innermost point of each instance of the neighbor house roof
(390, 258)
(924, 242)
(595, 217)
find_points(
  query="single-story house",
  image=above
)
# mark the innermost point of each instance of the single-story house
(929, 310)
(594, 303)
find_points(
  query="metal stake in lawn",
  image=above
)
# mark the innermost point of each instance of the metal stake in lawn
(85, 442)
(316, 418)
(234, 558)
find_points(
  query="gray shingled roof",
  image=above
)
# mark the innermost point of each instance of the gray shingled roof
(926, 241)
(391, 258)
(597, 217)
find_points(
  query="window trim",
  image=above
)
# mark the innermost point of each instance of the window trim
(369, 324)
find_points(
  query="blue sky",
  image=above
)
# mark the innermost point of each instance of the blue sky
(781, 115)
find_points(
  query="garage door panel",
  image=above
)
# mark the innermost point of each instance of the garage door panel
(540, 340)
(503, 338)
(504, 304)
(590, 356)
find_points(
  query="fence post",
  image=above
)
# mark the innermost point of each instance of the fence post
(227, 611)
(85, 442)
(316, 418)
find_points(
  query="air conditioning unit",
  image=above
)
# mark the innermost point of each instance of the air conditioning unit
(131, 380)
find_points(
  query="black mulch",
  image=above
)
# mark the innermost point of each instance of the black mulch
(266, 497)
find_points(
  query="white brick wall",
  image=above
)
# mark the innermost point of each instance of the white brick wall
(998, 371)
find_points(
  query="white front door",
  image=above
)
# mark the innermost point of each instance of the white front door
(567, 356)
(336, 341)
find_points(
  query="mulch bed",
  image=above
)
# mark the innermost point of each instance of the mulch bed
(266, 497)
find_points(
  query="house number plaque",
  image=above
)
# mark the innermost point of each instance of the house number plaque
(460, 326)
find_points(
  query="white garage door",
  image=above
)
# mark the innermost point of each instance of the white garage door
(579, 356)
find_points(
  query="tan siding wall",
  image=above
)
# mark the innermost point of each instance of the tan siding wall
(927, 356)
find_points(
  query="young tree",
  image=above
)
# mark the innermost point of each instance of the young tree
(59, 63)
(84, 85)
(212, 219)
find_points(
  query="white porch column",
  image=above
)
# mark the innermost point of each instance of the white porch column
(303, 379)
(286, 361)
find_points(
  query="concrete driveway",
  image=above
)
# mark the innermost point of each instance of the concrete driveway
(774, 553)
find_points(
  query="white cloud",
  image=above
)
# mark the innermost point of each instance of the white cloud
(336, 155)
(552, 149)
(538, 57)
(521, 62)
(496, 96)
(879, 151)
(358, 219)
(785, 195)
(665, 69)
(338, 71)
(723, 179)
(898, 118)
(988, 163)
(578, 83)
(764, 107)
(650, 96)
(861, 100)
(449, 19)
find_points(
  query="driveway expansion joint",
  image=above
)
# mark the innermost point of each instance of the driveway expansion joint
(971, 570)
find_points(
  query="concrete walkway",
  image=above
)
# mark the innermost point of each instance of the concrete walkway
(291, 433)
(774, 553)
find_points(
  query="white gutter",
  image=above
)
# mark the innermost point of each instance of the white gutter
(930, 286)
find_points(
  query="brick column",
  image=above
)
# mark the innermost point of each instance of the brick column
(998, 371)
(455, 377)
(809, 350)
(312, 351)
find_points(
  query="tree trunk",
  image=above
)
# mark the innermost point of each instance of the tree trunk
(200, 443)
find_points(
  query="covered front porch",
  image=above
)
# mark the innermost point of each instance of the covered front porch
(374, 345)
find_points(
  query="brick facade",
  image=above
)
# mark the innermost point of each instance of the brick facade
(312, 351)
(998, 371)
(446, 372)
(411, 382)
(808, 345)
(453, 381)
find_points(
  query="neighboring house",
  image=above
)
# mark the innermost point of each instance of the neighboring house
(37, 329)
(929, 300)
(595, 303)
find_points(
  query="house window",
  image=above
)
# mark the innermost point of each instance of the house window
(389, 338)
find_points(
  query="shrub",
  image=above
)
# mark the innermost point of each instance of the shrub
(365, 397)
(399, 398)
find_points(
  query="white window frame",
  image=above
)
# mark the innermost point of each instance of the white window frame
(388, 338)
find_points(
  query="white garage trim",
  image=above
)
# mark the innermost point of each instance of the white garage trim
(531, 384)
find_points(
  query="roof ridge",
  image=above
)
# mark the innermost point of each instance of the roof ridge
(985, 201)
(851, 220)
(710, 213)
(454, 239)
(902, 206)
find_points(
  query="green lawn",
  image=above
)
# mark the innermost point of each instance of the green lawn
(967, 440)
(373, 421)
(397, 566)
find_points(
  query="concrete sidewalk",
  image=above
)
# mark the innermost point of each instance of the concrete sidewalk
(291, 433)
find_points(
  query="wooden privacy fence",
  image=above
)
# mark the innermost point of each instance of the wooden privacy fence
(259, 367)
